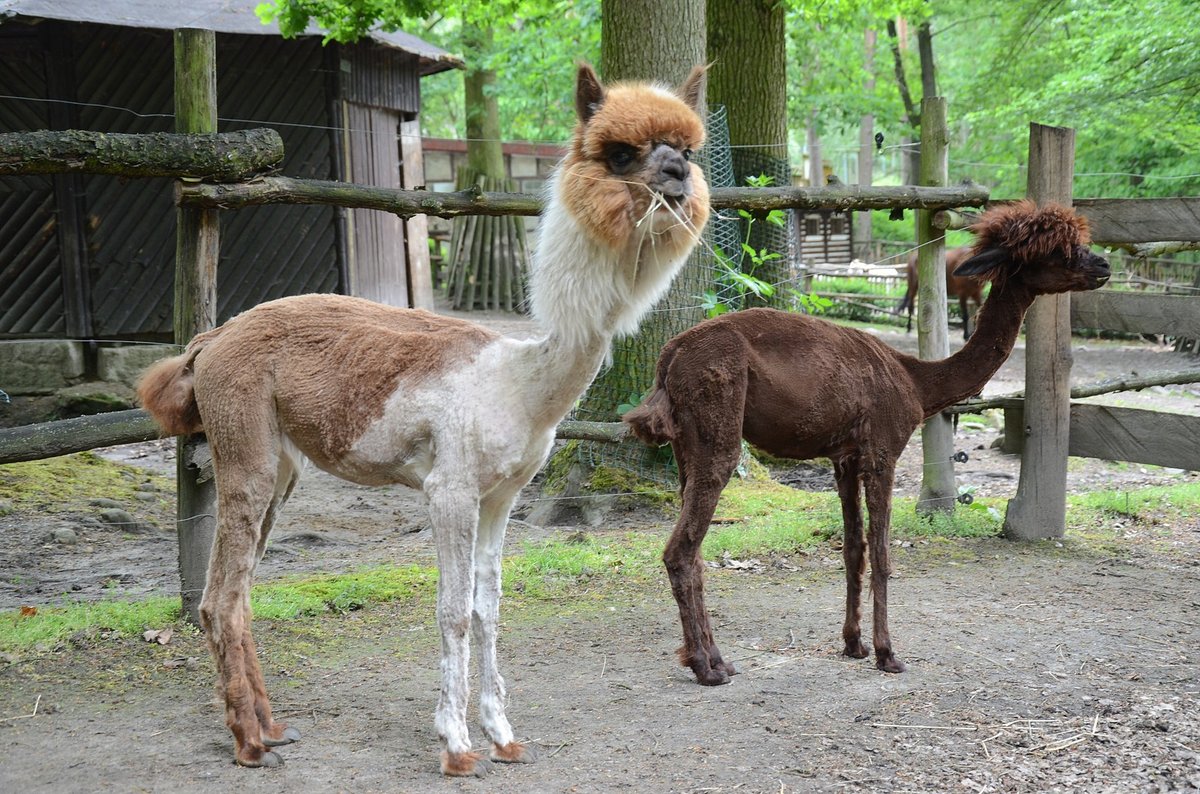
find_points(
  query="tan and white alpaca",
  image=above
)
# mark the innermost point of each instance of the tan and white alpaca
(380, 395)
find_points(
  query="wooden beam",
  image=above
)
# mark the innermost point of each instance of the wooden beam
(225, 156)
(1039, 509)
(197, 247)
(1118, 221)
(1122, 383)
(407, 203)
(1137, 312)
(66, 436)
(938, 489)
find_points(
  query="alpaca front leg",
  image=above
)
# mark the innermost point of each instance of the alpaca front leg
(493, 520)
(879, 506)
(273, 734)
(854, 554)
(454, 512)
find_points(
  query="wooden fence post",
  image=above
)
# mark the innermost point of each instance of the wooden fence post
(938, 490)
(197, 245)
(1039, 509)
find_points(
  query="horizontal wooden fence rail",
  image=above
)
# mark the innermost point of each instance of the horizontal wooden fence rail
(225, 156)
(406, 203)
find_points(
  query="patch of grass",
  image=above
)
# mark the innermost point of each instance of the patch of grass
(567, 567)
(1159, 505)
(311, 595)
(62, 484)
(51, 625)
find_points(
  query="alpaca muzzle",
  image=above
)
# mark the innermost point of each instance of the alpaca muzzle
(1098, 270)
(671, 172)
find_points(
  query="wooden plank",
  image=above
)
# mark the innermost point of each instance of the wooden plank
(1135, 435)
(1137, 312)
(378, 261)
(65, 436)
(1142, 220)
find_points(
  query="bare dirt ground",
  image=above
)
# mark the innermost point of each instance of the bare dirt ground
(1041, 667)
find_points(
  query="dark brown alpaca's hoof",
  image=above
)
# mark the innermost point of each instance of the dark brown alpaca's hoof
(513, 753)
(281, 735)
(256, 759)
(725, 667)
(888, 663)
(856, 650)
(465, 764)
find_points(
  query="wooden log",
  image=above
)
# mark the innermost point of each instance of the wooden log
(67, 436)
(938, 490)
(225, 157)
(1123, 383)
(1039, 508)
(1137, 312)
(473, 201)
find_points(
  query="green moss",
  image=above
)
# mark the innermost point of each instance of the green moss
(558, 468)
(612, 480)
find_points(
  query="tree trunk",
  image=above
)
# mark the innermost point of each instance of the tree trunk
(866, 150)
(746, 46)
(488, 255)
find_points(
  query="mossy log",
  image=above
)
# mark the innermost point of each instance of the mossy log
(221, 157)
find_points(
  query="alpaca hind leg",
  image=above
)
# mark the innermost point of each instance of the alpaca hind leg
(273, 733)
(879, 506)
(705, 479)
(225, 612)
(454, 512)
(853, 552)
(493, 521)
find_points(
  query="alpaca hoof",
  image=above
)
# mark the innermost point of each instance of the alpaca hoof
(266, 760)
(513, 753)
(711, 676)
(465, 764)
(856, 650)
(288, 736)
(725, 667)
(889, 664)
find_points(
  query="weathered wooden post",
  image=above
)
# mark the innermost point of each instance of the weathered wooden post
(1039, 510)
(938, 490)
(197, 244)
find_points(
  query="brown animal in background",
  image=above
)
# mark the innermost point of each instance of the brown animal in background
(379, 395)
(965, 289)
(799, 387)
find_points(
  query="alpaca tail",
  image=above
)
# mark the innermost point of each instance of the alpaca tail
(166, 392)
(651, 421)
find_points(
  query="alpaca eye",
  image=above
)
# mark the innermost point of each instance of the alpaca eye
(687, 154)
(621, 158)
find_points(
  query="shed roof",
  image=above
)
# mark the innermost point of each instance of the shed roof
(222, 16)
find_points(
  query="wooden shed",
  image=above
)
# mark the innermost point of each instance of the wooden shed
(92, 257)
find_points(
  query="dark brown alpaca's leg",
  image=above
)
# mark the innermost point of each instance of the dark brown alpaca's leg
(853, 552)
(879, 507)
(705, 467)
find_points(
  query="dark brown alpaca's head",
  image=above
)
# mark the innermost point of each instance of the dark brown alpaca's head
(628, 165)
(1044, 248)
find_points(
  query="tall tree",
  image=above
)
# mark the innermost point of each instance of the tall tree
(747, 48)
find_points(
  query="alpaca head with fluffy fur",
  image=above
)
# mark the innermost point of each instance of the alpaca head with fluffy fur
(1045, 248)
(628, 172)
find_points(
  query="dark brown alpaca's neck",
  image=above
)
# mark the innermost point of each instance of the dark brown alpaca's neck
(951, 380)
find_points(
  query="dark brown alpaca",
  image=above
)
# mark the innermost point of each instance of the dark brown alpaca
(799, 387)
(965, 289)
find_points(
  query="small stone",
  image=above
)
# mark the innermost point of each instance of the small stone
(144, 496)
(146, 486)
(64, 536)
(102, 502)
(6, 507)
(116, 516)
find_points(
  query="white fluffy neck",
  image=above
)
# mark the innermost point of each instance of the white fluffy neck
(584, 292)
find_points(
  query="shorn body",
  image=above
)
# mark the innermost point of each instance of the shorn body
(381, 395)
(800, 387)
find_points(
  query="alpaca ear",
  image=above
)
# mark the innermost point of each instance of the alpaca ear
(692, 90)
(983, 265)
(589, 93)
